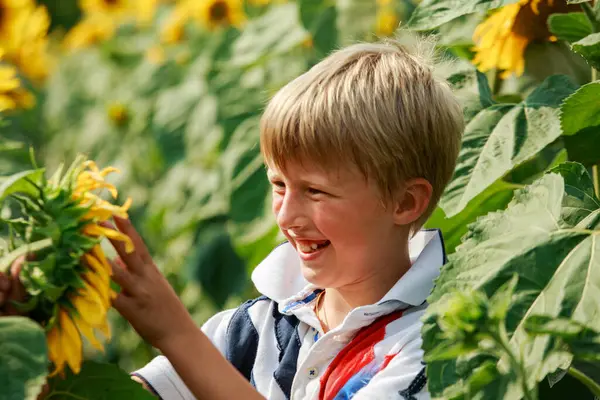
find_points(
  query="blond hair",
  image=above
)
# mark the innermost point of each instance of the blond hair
(378, 106)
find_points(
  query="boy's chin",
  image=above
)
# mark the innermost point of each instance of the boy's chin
(314, 276)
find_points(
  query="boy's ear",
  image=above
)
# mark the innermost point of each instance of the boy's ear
(412, 201)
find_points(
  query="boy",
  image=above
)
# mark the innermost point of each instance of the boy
(358, 151)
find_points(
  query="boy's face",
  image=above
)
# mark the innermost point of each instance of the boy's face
(336, 221)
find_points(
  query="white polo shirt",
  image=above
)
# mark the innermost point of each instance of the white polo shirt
(277, 342)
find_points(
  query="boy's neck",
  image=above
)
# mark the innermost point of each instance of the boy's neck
(338, 302)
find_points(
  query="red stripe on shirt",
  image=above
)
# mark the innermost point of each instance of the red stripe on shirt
(355, 356)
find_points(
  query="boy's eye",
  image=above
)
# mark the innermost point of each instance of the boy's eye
(315, 191)
(278, 184)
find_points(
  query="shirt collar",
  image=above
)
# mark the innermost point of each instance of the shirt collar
(279, 275)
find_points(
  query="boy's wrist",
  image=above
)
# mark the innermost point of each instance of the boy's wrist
(174, 342)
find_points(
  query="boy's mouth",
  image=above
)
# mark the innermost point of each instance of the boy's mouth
(311, 246)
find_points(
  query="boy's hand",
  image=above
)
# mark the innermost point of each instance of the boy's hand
(11, 288)
(147, 300)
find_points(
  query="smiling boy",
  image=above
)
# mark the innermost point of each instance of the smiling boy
(358, 151)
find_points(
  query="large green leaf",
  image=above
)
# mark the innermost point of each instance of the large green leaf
(570, 27)
(495, 197)
(548, 236)
(472, 89)
(23, 358)
(97, 381)
(433, 13)
(503, 136)
(22, 182)
(581, 110)
(589, 48)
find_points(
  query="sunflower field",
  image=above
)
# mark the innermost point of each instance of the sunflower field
(150, 108)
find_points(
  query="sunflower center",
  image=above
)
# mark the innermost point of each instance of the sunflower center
(111, 3)
(218, 11)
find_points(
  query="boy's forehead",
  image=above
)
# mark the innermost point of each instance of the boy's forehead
(310, 170)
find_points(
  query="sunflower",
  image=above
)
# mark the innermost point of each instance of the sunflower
(23, 35)
(9, 10)
(173, 30)
(501, 40)
(215, 13)
(68, 282)
(111, 7)
(145, 10)
(12, 95)
(91, 30)
(387, 21)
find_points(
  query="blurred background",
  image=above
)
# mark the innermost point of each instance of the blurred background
(170, 92)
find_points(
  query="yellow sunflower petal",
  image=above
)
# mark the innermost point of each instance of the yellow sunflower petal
(7, 103)
(99, 254)
(99, 279)
(71, 346)
(91, 165)
(98, 231)
(89, 305)
(54, 351)
(87, 331)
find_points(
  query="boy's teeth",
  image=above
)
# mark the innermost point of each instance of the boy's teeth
(308, 248)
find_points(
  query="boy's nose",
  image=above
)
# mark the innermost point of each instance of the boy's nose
(290, 213)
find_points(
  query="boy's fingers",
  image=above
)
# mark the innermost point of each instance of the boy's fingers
(127, 228)
(121, 276)
(132, 260)
(17, 290)
(120, 303)
(4, 283)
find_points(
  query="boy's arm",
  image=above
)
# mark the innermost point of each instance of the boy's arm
(152, 307)
(159, 376)
(204, 370)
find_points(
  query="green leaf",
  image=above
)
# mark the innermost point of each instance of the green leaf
(589, 48)
(276, 32)
(550, 237)
(579, 189)
(23, 358)
(472, 89)
(495, 197)
(503, 136)
(433, 13)
(570, 27)
(97, 381)
(319, 18)
(583, 341)
(21, 183)
(582, 146)
(215, 263)
(581, 110)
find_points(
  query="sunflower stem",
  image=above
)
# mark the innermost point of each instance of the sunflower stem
(595, 168)
(596, 179)
(591, 15)
(586, 380)
(7, 259)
